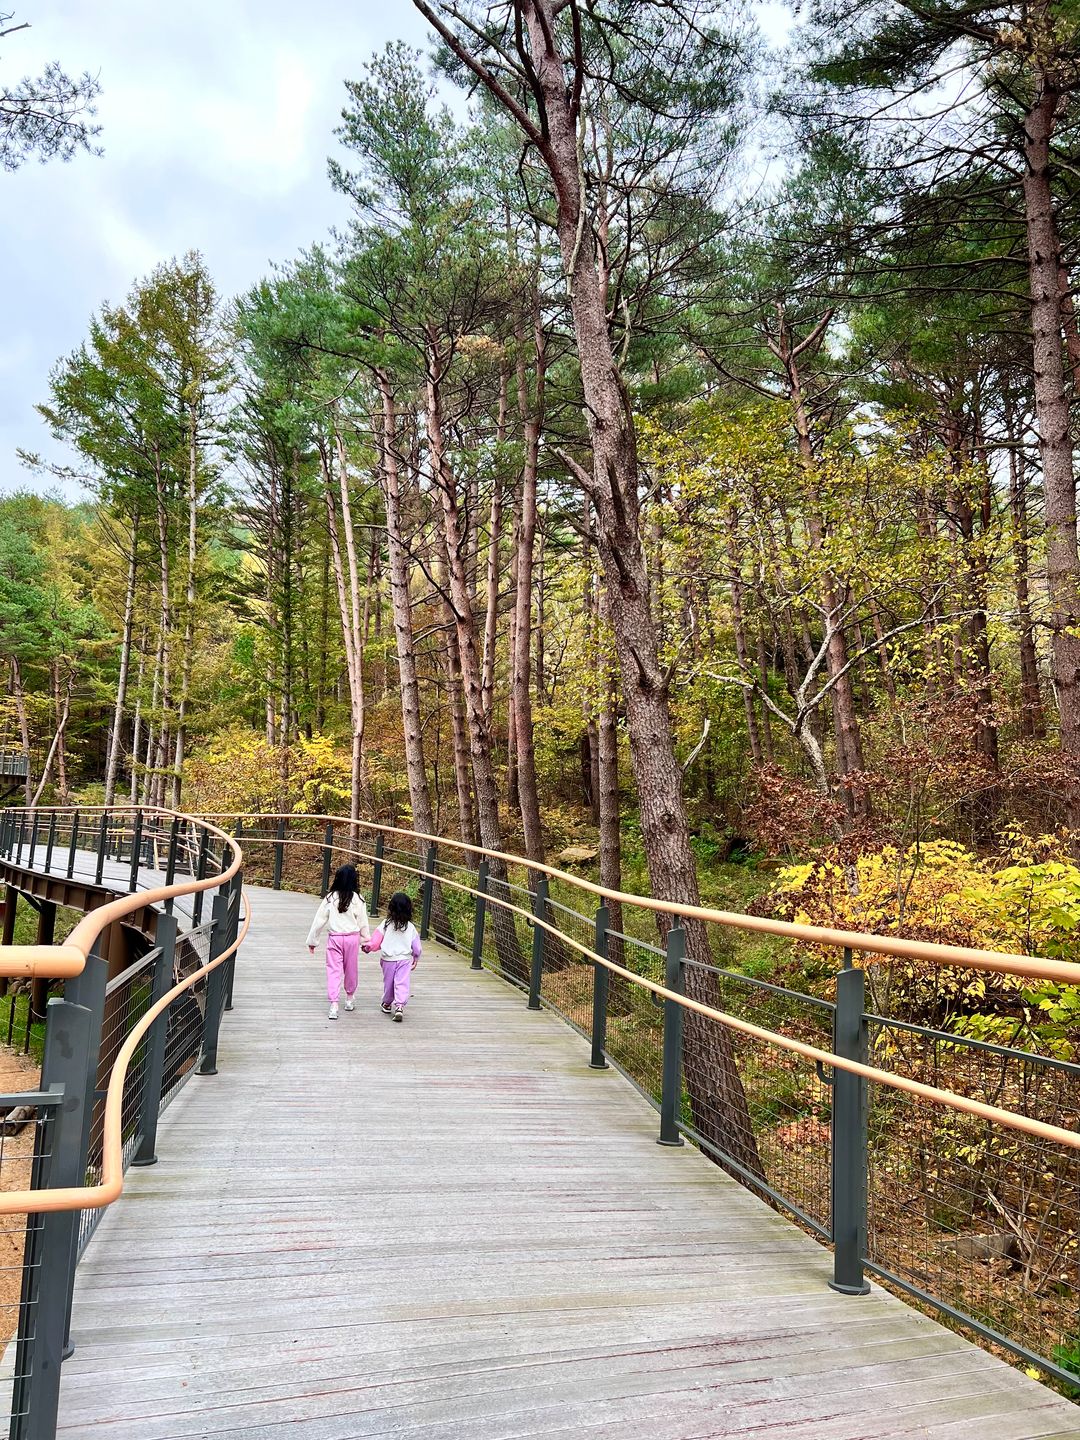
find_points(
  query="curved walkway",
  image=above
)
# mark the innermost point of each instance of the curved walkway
(452, 1229)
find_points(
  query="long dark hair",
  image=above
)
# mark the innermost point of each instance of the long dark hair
(399, 910)
(346, 885)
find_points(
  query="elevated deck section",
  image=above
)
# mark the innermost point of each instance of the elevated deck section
(452, 1229)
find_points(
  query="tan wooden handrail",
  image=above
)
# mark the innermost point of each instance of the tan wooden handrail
(69, 959)
(1033, 967)
(940, 954)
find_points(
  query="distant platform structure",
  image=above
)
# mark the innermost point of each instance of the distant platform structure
(13, 770)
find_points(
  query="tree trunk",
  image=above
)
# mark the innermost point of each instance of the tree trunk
(19, 693)
(487, 795)
(356, 686)
(189, 617)
(1032, 719)
(1052, 415)
(531, 421)
(716, 1093)
(116, 736)
(423, 816)
(162, 677)
(742, 653)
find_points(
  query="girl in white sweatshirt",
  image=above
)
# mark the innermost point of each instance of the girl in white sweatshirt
(399, 947)
(345, 913)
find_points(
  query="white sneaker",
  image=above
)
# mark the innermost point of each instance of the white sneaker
(333, 1011)
(399, 1013)
(350, 1002)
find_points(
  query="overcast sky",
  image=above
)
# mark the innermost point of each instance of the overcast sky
(217, 118)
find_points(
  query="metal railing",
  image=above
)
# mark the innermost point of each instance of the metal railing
(114, 1051)
(945, 1166)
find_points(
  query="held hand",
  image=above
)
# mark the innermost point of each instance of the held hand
(312, 949)
(416, 961)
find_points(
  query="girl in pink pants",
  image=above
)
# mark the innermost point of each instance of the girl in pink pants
(345, 913)
(399, 947)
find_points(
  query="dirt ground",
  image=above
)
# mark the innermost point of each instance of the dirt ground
(17, 1072)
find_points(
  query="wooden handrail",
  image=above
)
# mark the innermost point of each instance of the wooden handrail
(67, 960)
(63, 962)
(1038, 1129)
(1031, 967)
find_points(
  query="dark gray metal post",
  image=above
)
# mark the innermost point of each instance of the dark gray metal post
(600, 994)
(849, 1135)
(170, 862)
(41, 1346)
(200, 874)
(671, 1081)
(22, 838)
(536, 969)
(74, 844)
(215, 987)
(428, 891)
(136, 852)
(103, 835)
(50, 842)
(33, 837)
(87, 990)
(327, 856)
(235, 898)
(154, 1069)
(376, 874)
(279, 854)
(479, 915)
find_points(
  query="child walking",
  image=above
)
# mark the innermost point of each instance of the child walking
(399, 947)
(345, 913)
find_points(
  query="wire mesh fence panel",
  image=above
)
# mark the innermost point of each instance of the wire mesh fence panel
(452, 907)
(982, 1219)
(185, 1015)
(755, 1105)
(26, 1136)
(566, 977)
(507, 934)
(127, 998)
(635, 1017)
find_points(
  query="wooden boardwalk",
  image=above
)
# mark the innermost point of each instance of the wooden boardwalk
(452, 1229)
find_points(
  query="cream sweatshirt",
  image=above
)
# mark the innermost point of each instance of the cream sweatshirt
(353, 921)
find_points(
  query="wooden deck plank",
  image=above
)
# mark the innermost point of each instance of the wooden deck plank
(452, 1229)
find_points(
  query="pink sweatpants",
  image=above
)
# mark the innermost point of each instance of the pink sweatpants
(342, 952)
(396, 973)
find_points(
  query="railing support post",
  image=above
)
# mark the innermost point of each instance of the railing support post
(200, 874)
(52, 1239)
(88, 990)
(376, 873)
(327, 857)
(136, 852)
(74, 844)
(849, 1135)
(103, 835)
(50, 843)
(279, 854)
(479, 915)
(170, 861)
(235, 897)
(428, 891)
(150, 1101)
(536, 969)
(600, 994)
(22, 838)
(215, 986)
(33, 838)
(671, 1080)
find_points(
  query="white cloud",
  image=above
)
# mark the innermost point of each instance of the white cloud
(217, 118)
